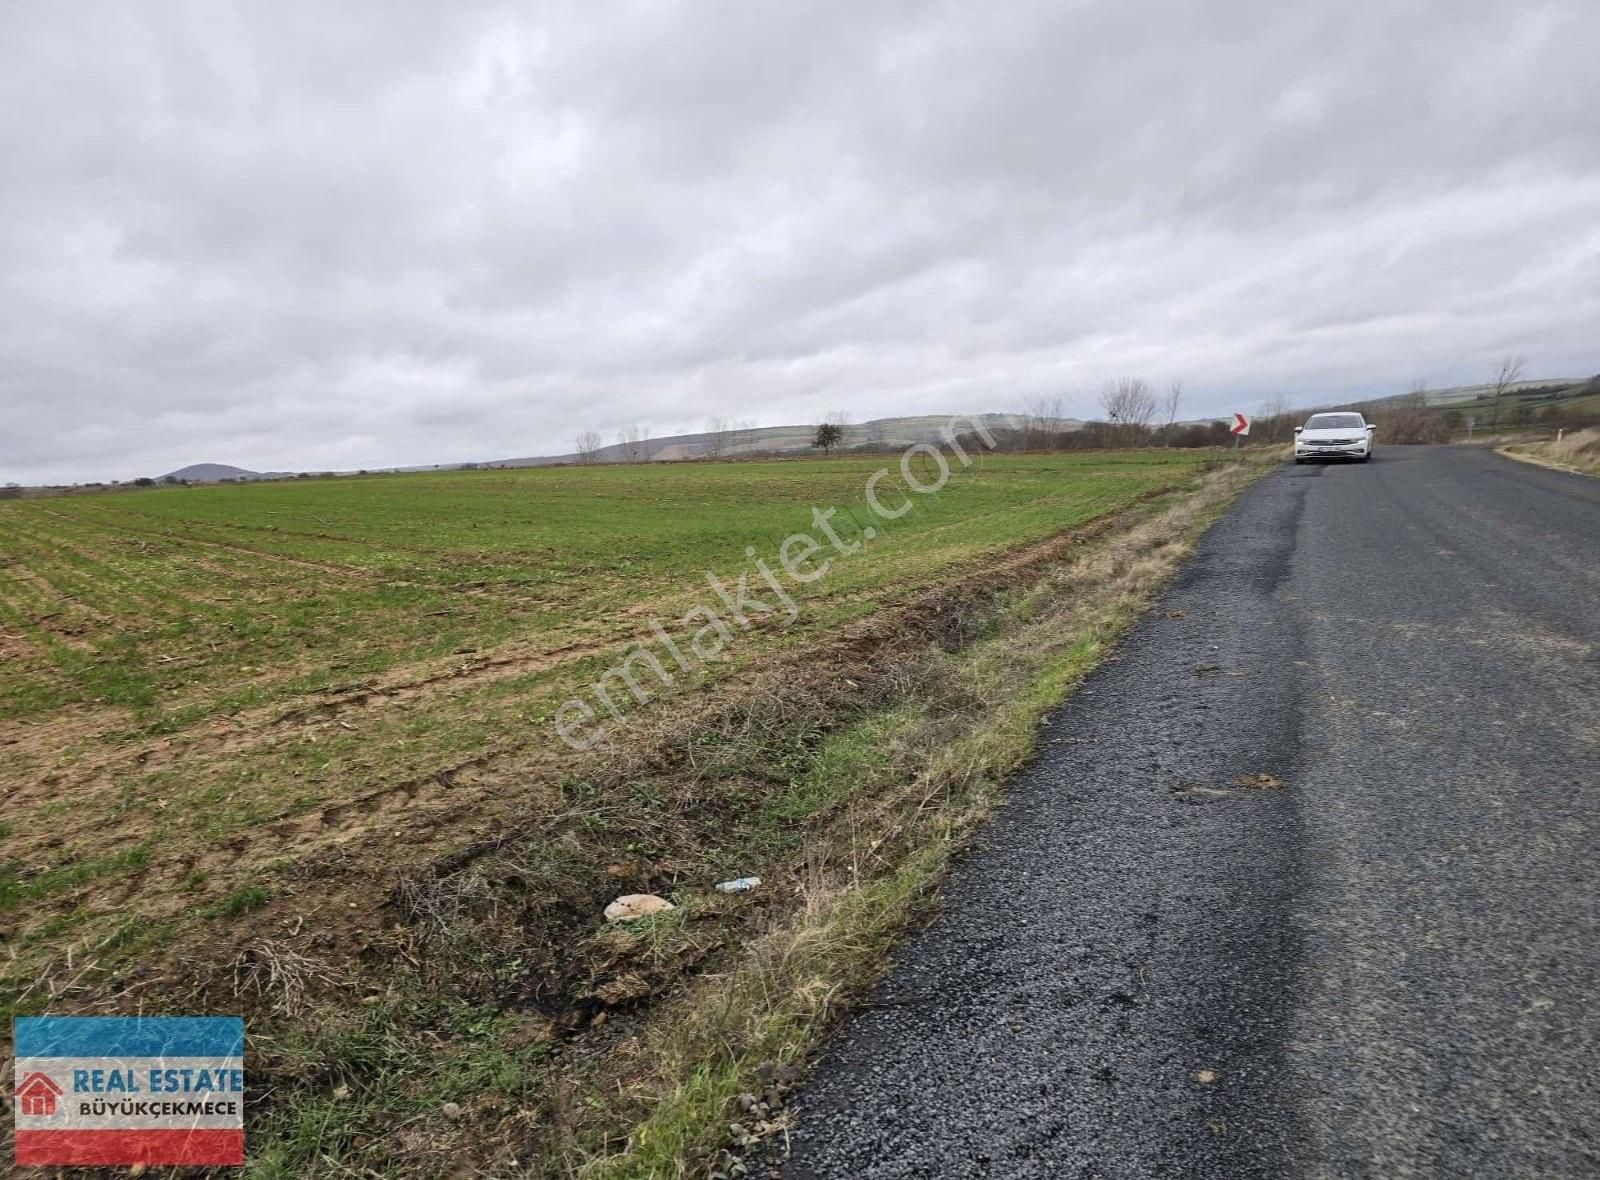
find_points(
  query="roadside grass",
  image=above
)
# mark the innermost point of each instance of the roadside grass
(1577, 451)
(511, 1032)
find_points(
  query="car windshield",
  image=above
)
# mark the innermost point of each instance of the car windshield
(1335, 422)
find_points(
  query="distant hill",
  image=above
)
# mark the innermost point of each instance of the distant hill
(216, 473)
(738, 441)
(735, 442)
(1461, 394)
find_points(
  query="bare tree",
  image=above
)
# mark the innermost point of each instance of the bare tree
(875, 434)
(1129, 405)
(589, 445)
(719, 437)
(1506, 374)
(840, 421)
(630, 441)
(1407, 419)
(1042, 426)
(1169, 409)
(1052, 421)
(744, 434)
(1032, 413)
(1273, 422)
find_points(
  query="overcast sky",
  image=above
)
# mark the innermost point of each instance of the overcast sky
(297, 235)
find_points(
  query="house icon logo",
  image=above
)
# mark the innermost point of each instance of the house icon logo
(37, 1095)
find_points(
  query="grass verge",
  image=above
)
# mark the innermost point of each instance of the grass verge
(1578, 451)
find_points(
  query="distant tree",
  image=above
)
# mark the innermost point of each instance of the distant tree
(630, 439)
(1129, 405)
(1273, 423)
(1043, 422)
(1033, 414)
(828, 436)
(1408, 418)
(1506, 374)
(589, 445)
(144, 481)
(1169, 409)
(719, 437)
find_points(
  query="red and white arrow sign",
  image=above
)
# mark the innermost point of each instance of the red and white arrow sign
(1241, 425)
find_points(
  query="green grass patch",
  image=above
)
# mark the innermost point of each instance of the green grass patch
(240, 901)
(16, 889)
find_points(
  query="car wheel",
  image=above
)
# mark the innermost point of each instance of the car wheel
(1299, 461)
(1367, 458)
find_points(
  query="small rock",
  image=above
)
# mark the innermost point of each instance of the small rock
(452, 1110)
(738, 885)
(1205, 1076)
(631, 906)
(1260, 782)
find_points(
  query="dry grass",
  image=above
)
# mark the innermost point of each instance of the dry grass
(1577, 451)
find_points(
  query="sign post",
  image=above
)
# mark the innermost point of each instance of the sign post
(1240, 428)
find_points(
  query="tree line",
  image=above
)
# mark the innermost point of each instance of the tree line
(1133, 413)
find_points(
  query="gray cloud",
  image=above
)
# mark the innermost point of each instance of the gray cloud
(306, 236)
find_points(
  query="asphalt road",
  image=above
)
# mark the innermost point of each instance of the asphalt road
(1388, 967)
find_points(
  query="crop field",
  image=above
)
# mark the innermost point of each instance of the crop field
(239, 717)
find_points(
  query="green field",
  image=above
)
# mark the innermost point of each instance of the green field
(185, 665)
(241, 716)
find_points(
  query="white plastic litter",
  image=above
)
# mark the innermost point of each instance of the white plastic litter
(630, 906)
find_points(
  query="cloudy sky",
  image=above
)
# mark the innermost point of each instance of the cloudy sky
(308, 235)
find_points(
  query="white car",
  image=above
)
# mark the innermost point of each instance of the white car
(1344, 435)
